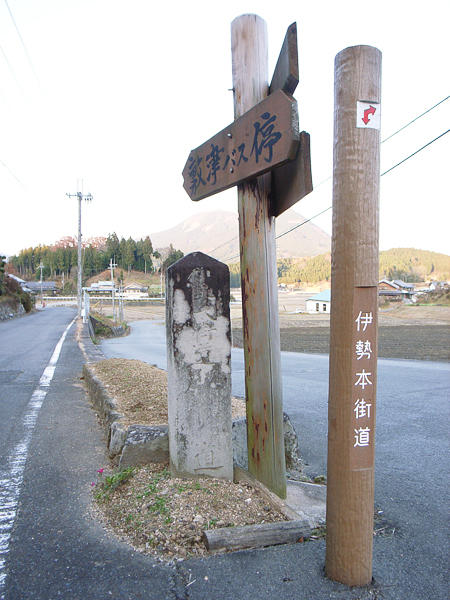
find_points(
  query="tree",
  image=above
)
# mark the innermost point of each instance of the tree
(173, 257)
(144, 251)
(112, 246)
(129, 254)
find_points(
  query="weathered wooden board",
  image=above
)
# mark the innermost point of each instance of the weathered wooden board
(265, 137)
(256, 536)
(292, 181)
(285, 76)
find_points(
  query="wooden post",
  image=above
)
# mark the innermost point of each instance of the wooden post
(353, 343)
(259, 273)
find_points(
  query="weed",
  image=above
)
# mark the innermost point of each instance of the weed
(159, 504)
(111, 482)
(152, 487)
(318, 533)
(211, 523)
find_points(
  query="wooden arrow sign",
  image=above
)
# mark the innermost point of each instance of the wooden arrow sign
(293, 181)
(265, 137)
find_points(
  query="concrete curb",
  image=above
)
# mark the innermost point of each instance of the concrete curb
(133, 445)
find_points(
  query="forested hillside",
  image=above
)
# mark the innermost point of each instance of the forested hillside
(406, 264)
(414, 265)
(62, 257)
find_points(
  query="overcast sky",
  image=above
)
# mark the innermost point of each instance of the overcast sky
(118, 92)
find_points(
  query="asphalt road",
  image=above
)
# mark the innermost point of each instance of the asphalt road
(50, 546)
(51, 446)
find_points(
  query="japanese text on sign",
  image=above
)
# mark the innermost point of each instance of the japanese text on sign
(364, 377)
(265, 137)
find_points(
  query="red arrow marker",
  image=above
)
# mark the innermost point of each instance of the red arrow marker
(367, 112)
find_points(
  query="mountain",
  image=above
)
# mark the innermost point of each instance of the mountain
(217, 233)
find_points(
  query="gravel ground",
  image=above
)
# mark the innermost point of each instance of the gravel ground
(166, 516)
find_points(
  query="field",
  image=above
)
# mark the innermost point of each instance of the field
(420, 333)
(412, 332)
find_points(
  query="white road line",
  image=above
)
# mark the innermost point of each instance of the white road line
(11, 476)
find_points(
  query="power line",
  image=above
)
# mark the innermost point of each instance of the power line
(408, 124)
(416, 152)
(17, 179)
(29, 59)
(225, 243)
(395, 133)
(302, 223)
(17, 81)
(326, 209)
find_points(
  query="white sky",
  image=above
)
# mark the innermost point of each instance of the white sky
(131, 86)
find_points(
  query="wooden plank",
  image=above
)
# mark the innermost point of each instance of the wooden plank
(292, 181)
(261, 332)
(265, 137)
(285, 75)
(244, 477)
(256, 536)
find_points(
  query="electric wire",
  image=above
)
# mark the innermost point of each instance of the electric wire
(29, 59)
(326, 209)
(414, 120)
(395, 133)
(416, 152)
(17, 81)
(17, 179)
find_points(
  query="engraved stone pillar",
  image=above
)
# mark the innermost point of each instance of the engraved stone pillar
(199, 367)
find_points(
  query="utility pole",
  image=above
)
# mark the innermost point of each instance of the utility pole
(41, 266)
(88, 198)
(112, 266)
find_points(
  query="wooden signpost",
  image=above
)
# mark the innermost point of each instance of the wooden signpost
(264, 139)
(266, 128)
(353, 330)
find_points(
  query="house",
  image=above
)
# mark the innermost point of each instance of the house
(320, 303)
(21, 281)
(437, 285)
(37, 286)
(389, 288)
(101, 286)
(407, 288)
(134, 290)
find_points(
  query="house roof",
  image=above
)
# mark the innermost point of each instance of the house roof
(392, 284)
(102, 284)
(403, 284)
(324, 296)
(36, 285)
(135, 286)
(16, 278)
